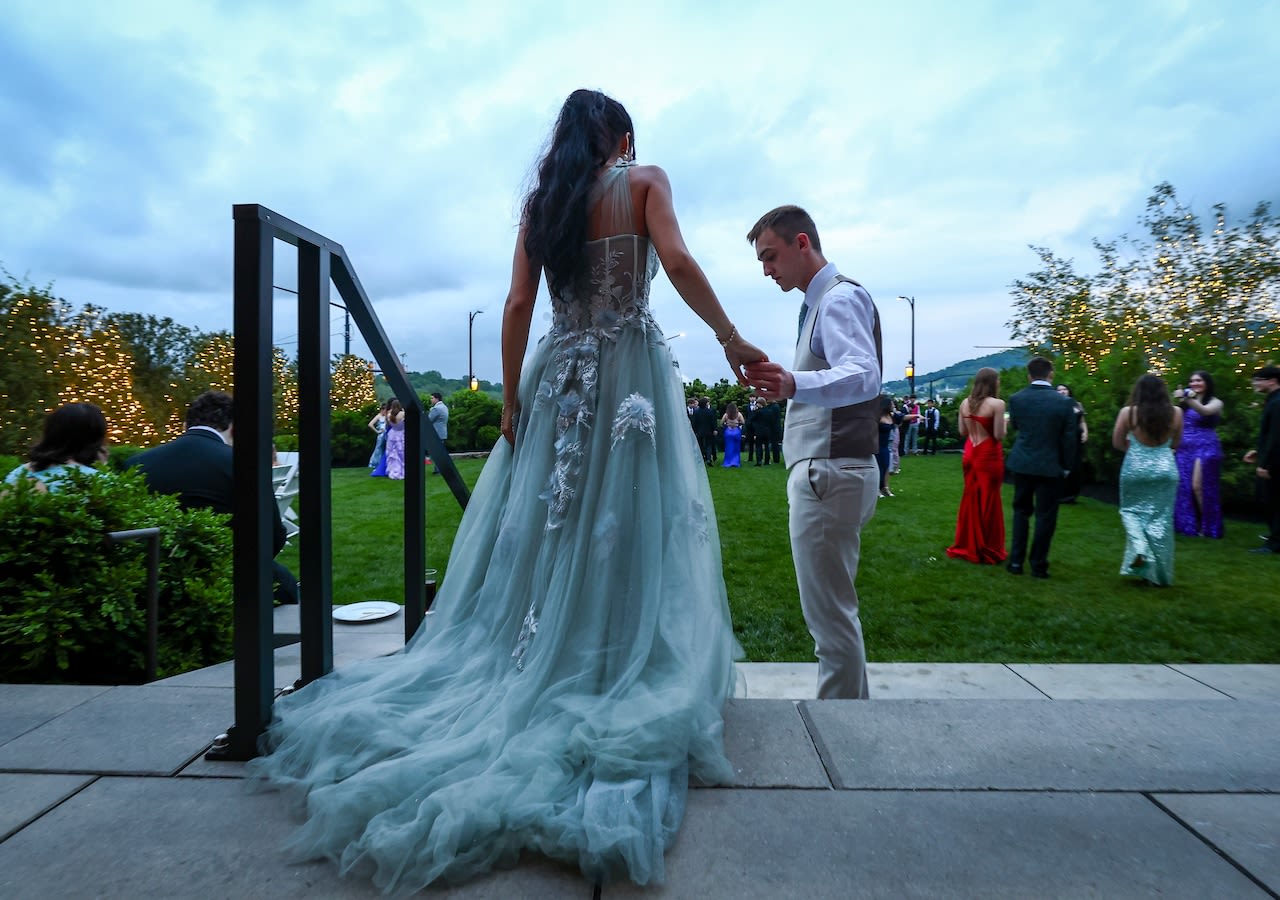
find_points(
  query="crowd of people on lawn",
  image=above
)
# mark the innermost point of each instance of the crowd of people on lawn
(1169, 480)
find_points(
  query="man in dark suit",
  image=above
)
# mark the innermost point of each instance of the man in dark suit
(1042, 454)
(197, 467)
(1266, 456)
(932, 425)
(749, 431)
(769, 433)
(704, 429)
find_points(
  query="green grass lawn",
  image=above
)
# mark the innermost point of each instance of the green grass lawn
(917, 604)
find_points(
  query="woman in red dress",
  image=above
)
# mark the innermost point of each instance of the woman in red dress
(980, 523)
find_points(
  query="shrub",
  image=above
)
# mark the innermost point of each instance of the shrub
(469, 412)
(285, 443)
(118, 455)
(73, 608)
(350, 440)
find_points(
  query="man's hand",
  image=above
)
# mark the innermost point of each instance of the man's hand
(1264, 474)
(1251, 457)
(771, 380)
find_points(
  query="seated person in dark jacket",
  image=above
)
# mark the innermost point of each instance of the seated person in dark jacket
(197, 467)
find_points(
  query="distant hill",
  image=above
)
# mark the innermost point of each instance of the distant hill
(427, 382)
(951, 380)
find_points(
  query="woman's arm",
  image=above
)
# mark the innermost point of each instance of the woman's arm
(517, 313)
(962, 420)
(686, 275)
(997, 420)
(1213, 408)
(1121, 430)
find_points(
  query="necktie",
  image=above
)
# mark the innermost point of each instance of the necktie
(804, 311)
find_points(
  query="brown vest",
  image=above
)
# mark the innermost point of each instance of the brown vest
(819, 432)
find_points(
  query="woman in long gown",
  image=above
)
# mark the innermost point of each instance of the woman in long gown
(888, 427)
(980, 521)
(572, 678)
(731, 429)
(395, 441)
(1198, 508)
(1147, 430)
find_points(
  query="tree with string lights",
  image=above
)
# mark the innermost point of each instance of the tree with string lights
(31, 323)
(352, 384)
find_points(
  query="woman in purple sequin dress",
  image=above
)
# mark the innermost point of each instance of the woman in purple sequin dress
(1198, 510)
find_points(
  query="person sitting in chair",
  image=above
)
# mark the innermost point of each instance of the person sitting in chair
(197, 466)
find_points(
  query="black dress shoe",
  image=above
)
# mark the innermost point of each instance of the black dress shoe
(1014, 568)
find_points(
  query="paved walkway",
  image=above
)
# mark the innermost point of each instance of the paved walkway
(979, 781)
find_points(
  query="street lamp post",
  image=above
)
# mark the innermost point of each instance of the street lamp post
(472, 383)
(346, 329)
(911, 363)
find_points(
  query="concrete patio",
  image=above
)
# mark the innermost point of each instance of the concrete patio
(956, 780)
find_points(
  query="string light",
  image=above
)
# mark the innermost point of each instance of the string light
(53, 356)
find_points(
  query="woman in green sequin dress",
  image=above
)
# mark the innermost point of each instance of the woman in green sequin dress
(1148, 430)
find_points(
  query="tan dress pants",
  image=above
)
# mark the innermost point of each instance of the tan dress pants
(830, 501)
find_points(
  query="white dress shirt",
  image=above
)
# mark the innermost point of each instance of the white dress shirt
(843, 337)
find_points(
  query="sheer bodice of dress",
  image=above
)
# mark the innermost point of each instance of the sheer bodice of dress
(613, 298)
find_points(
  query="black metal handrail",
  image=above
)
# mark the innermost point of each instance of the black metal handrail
(321, 261)
(152, 537)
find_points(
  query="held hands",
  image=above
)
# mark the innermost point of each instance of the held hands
(741, 354)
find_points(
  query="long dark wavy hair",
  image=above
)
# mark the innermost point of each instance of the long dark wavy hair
(74, 431)
(1208, 385)
(555, 213)
(1151, 409)
(985, 384)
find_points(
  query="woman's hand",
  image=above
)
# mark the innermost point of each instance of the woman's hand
(510, 414)
(740, 353)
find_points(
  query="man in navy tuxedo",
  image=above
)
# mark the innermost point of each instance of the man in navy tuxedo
(197, 467)
(1042, 454)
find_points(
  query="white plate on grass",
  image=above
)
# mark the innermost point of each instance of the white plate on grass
(367, 611)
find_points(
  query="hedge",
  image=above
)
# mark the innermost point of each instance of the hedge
(73, 607)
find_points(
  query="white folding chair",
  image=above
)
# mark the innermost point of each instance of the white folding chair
(284, 481)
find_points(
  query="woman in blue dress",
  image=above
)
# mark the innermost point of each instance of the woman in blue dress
(572, 678)
(1148, 430)
(731, 430)
(73, 439)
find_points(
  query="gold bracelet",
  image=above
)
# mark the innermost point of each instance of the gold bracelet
(733, 333)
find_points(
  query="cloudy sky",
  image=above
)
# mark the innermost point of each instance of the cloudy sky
(932, 142)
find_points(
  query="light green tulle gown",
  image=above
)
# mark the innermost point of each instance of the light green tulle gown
(1148, 488)
(572, 678)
